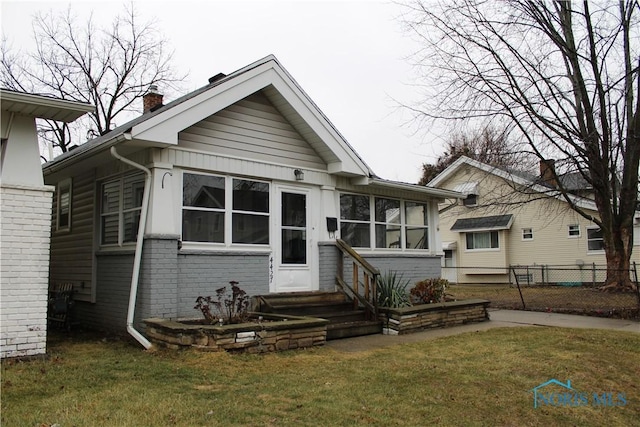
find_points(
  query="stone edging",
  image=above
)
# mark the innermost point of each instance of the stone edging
(398, 321)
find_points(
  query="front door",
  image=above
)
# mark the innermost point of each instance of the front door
(293, 253)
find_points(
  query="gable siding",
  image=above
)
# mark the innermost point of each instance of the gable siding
(72, 252)
(253, 129)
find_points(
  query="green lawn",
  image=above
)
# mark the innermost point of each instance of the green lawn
(481, 378)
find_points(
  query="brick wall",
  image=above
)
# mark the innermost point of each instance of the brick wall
(329, 254)
(201, 273)
(113, 285)
(25, 232)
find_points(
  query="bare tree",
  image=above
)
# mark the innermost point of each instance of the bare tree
(487, 145)
(565, 76)
(110, 68)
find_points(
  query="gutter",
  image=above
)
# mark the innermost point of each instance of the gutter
(137, 260)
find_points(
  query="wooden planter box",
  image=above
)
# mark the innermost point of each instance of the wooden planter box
(426, 316)
(273, 333)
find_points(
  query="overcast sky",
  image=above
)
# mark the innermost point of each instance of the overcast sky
(348, 56)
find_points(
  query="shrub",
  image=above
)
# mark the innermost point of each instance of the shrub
(392, 290)
(223, 308)
(429, 291)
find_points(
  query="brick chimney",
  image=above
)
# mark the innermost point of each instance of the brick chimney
(151, 100)
(547, 172)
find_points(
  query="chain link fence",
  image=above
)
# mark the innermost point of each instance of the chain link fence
(553, 288)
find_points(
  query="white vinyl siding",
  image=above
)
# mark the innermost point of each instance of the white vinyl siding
(252, 128)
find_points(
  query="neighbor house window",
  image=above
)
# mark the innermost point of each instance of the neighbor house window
(395, 224)
(483, 240)
(595, 242)
(527, 234)
(121, 204)
(470, 200)
(63, 205)
(574, 230)
(218, 209)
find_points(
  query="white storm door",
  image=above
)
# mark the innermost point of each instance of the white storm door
(293, 252)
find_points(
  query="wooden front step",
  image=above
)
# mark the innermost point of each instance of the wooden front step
(353, 329)
(344, 321)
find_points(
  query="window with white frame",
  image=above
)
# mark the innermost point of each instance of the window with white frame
(482, 240)
(396, 224)
(387, 221)
(63, 205)
(226, 210)
(595, 241)
(470, 200)
(574, 230)
(355, 220)
(417, 225)
(527, 234)
(121, 204)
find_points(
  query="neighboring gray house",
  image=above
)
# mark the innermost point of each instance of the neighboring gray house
(240, 180)
(25, 214)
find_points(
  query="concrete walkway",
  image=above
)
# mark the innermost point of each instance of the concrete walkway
(499, 319)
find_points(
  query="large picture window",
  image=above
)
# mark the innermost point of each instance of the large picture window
(218, 209)
(203, 201)
(121, 204)
(395, 224)
(483, 240)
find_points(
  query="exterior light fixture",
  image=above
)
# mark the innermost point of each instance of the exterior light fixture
(299, 175)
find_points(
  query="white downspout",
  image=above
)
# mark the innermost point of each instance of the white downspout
(138, 255)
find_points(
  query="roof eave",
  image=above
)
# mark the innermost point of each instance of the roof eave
(430, 191)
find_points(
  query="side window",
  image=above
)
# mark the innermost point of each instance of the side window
(470, 200)
(595, 241)
(527, 234)
(574, 230)
(63, 205)
(120, 208)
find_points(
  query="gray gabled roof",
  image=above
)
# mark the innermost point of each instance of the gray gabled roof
(116, 134)
(485, 223)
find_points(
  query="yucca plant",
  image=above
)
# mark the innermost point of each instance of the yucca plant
(392, 290)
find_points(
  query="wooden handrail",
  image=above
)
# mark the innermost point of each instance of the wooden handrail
(344, 247)
(370, 274)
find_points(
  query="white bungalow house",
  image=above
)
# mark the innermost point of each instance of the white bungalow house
(510, 218)
(25, 218)
(244, 179)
